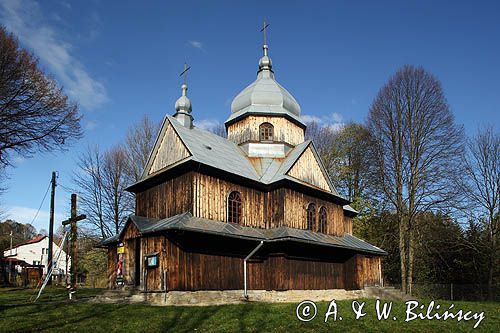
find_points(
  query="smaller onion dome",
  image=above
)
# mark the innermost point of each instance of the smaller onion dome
(183, 107)
(183, 104)
(265, 62)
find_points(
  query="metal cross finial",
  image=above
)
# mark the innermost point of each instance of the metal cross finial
(184, 72)
(264, 30)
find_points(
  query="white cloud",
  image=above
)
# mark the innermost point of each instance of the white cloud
(25, 19)
(196, 44)
(26, 214)
(334, 120)
(207, 124)
(311, 119)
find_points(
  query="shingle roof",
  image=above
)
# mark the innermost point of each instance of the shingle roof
(187, 222)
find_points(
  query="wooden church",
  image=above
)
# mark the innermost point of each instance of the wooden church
(255, 211)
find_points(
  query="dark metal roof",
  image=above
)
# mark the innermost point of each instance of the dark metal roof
(187, 222)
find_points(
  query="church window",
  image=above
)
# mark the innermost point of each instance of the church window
(311, 216)
(322, 219)
(266, 132)
(234, 207)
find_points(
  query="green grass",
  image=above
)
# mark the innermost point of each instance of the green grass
(252, 317)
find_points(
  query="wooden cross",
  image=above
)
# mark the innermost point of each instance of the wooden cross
(73, 237)
(264, 29)
(184, 72)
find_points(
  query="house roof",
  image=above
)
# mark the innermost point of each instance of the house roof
(187, 222)
(35, 239)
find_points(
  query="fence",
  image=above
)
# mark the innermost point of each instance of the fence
(454, 292)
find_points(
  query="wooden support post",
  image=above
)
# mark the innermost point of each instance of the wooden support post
(73, 238)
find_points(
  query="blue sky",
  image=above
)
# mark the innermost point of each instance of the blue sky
(122, 59)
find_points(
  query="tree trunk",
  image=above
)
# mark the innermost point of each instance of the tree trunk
(403, 253)
(411, 248)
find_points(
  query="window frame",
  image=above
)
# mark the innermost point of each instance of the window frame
(322, 219)
(311, 216)
(235, 208)
(266, 132)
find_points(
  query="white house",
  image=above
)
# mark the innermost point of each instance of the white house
(35, 252)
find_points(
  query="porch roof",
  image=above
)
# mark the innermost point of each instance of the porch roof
(187, 222)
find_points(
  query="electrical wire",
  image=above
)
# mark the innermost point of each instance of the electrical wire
(41, 204)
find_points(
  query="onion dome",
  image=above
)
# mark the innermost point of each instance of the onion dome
(183, 109)
(183, 104)
(264, 96)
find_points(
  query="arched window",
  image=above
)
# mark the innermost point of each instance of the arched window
(311, 216)
(322, 219)
(266, 131)
(234, 207)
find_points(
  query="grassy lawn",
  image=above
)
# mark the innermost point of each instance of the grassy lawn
(252, 317)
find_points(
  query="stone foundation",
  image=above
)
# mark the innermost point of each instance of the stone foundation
(203, 298)
(210, 297)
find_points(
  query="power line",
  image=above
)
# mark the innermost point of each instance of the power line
(41, 204)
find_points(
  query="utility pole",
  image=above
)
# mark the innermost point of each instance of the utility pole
(51, 225)
(73, 237)
(10, 259)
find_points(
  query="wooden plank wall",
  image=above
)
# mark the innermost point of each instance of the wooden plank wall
(111, 269)
(348, 225)
(129, 238)
(170, 150)
(210, 200)
(353, 273)
(295, 212)
(307, 169)
(206, 197)
(153, 279)
(196, 271)
(274, 208)
(371, 271)
(247, 129)
(172, 197)
(281, 207)
(181, 270)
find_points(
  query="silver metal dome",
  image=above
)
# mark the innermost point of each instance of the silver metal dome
(183, 104)
(265, 95)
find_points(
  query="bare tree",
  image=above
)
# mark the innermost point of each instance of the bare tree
(88, 179)
(101, 181)
(323, 138)
(139, 143)
(416, 151)
(219, 129)
(118, 202)
(35, 114)
(480, 182)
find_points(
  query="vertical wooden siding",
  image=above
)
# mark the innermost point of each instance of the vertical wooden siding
(170, 150)
(371, 271)
(247, 129)
(348, 225)
(210, 200)
(295, 212)
(181, 270)
(172, 197)
(307, 169)
(111, 269)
